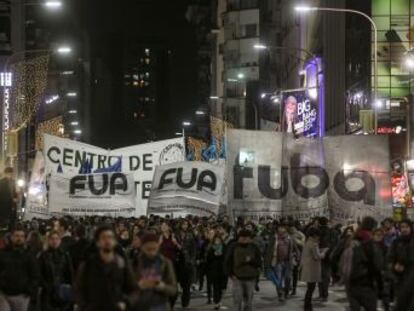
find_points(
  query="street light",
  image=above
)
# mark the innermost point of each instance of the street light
(64, 49)
(53, 4)
(200, 113)
(186, 123)
(77, 132)
(72, 94)
(306, 9)
(260, 46)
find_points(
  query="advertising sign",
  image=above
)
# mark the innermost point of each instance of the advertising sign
(300, 113)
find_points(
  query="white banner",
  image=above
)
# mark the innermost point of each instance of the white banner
(69, 158)
(36, 203)
(344, 177)
(107, 194)
(187, 188)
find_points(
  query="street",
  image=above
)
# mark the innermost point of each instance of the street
(266, 300)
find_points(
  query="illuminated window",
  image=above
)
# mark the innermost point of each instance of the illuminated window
(135, 83)
(147, 52)
(147, 61)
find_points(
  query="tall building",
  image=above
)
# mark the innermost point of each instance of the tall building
(236, 63)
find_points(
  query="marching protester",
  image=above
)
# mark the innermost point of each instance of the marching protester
(104, 281)
(361, 266)
(214, 267)
(278, 261)
(56, 276)
(311, 266)
(155, 276)
(299, 240)
(187, 258)
(19, 273)
(243, 262)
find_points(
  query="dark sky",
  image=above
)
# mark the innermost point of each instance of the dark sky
(113, 22)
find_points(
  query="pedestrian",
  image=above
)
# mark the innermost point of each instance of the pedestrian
(243, 262)
(311, 265)
(361, 265)
(105, 281)
(67, 240)
(401, 254)
(56, 276)
(155, 276)
(19, 274)
(187, 259)
(78, 249)
(278, 261)
(299, 239)
(214, 268)
(8, 199)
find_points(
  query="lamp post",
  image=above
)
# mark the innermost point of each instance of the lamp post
(306, 9)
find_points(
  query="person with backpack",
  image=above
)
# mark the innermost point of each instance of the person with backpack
(361, 266)
(155, 276)
(243, 262)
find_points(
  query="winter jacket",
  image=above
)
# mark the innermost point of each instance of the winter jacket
(56, 270)
(243, 261)
(311, 270)
(401, 252)
(270, 251)
(101, 286)
(19, 272)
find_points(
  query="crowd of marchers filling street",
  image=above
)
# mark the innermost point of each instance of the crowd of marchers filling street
(162, 263)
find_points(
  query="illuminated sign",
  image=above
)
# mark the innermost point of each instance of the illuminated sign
(6, 115)
(5, 79)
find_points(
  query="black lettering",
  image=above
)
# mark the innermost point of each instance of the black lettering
(297, 173)
(67, 155)
(80, 158)
(49, 154)
(366, 193)
(101, 161)
(147, 162)
(77, 183)
(91, 156)
(92, 187)
(114, 185)
(134, 163)
(207, 179)
(239, 173)
(264, 183)
(190, 183)
(164, 180)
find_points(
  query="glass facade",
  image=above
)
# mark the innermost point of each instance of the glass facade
(395, 22)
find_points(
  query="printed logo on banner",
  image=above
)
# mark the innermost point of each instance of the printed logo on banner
(171, 153)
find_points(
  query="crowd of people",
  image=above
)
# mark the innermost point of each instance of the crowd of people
(102, 263)
(155, 263)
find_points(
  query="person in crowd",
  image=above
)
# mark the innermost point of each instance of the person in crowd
(79, 248)
(361, 266)
(155, 276)
(383, 282)
(278, 261)
(336, 253)
(8, 199)
(390, 233)
(56, 276)
(401, 254)
(35, 243)
(214, 267)
(67, 239)
(19, 273)
(243, 262)
(105, 281)
(299, 240)
(311, 265)
(327, 242)
(187, 258)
